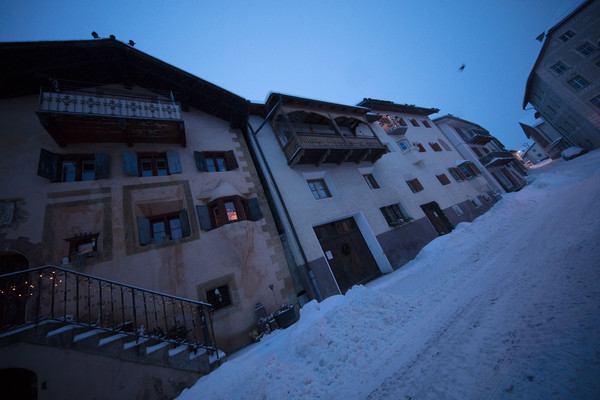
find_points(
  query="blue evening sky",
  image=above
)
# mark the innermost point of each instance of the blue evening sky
(338, 51)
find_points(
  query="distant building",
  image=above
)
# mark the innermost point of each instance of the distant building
(361, 189)
(546, 138)
(534, 154)
(500, 167)
(564, 84)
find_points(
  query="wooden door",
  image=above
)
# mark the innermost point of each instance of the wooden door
(347, 252)
(437, 218)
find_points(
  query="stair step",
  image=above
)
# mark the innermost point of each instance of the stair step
(152, 349)
(173, 352)
(87, 334)
(60, 330)
(137, 342)
(110, 339)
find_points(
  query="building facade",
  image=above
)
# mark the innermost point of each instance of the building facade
(360, 192)
(500, 168)
(545, 137)
(564, 84)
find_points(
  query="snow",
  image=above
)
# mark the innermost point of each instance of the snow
(504, 307)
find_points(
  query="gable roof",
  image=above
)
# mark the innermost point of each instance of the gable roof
(450, 116)
(26, 66)
(385, 105)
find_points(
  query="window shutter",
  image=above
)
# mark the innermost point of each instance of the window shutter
(255, 211)
(204, 218)
(417, 185)
(48, 165)
(130, 163)
(474, 168)
(200, 161)
(421, 148)
(144, 230)
(185, 223)
(101, 166)
(231, 160)
(455, 174)
(174, 163)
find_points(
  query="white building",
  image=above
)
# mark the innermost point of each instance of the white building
(359, 193)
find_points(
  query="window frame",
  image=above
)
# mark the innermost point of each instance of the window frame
(567, 35)
(559, 67)
(443, 178)
(77, 241)
(435, 146)
(576, 84)
(371, 181)
(395, 214)
(586, 49)
(425, 123)
(224, 294)
(406, 143)
(206, 158)
(153, 157)
(52, 166)
(595, 101)
(218, 211)
(414, 123)
(166, 220)
(415, 185)
(316, 190)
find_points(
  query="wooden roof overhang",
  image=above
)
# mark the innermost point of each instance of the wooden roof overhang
(389, 106)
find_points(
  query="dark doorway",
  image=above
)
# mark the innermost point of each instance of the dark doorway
(13, 289)
(347, 252)
(18, 384)
(437, 218)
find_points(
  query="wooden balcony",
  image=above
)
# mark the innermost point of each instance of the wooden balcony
(479, 137)
(314, 148)
(110, 117)
(497, 159)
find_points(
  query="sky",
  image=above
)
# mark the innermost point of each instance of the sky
(408, 52)
(511, 313)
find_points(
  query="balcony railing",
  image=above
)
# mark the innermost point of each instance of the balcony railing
(110, 116)
(496, 158)
(53, 293)
(315, 148)
(479, 137)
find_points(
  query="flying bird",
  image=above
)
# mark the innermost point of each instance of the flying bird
(95, 35)
(462, 67)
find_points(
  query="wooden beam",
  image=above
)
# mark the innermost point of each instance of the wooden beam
(323, 157)
(346, 157)
(364, 156)
(292, 163)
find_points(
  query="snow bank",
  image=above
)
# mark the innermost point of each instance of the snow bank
(505, 306)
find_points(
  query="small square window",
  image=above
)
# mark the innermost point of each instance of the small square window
(226, 210)
(579, 82)
(443, 179)
(319, 188)
(404, 145)
(586, 49)
(476, 202)
(165, 227)
(414, 122)
(426, 124)
(596, 101)
(559, 67)
(457, 209)
(414, 185)
(371, 181)
(395, 215)
(566, 36)
(153, 164)
(218, 297)
(435, 146)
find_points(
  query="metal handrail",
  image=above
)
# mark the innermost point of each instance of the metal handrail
(59, 294)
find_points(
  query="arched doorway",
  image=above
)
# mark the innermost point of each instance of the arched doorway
(18, 384)
(13, 289)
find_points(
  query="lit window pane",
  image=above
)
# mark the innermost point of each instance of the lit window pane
(158, 228)
(69, 169)
(87, 170)
(161, 167)
(230, 211)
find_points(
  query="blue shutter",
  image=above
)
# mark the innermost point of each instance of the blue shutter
(185, 223)
(204, 218)
(144, 230)
(173, 161)
(130, 163)
(48, 165)
(200, 161)
(101, 166)
(255, 211)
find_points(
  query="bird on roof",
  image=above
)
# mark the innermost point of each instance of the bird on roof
(95, 35)
(462, 67)
(131, 43)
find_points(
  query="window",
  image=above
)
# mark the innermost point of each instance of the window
(73, 167)
(476, 202)
(226, 210)
(414, 185)
(83, 245)
(425, 123)
(596, 101)
(444, 145)
(218, 297)
(566, 36)
(162, 228)
(404, 145)
(443, 179)
(487, 197)
(215, 161)
(151, 164)
(318, 188)
(414, 122)
(435, 146)
(420, 147)
(558, 68)
(457, 209)
(578, 82)
(401, 122)
(371, 181)
(586, 49)
(395, 215)
(458, 176)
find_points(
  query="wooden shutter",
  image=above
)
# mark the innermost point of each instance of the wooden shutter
(48, 165)
(417, 185)
(421, 148)
(144, 230)
(455, 174)
(204, 218)
(231, 160)
(130, 163)
(101, 166)
(255, 211)
(174, 163)
(185, 223)
(474, 168)
(200, 161)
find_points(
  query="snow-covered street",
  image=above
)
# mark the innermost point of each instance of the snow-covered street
(507, 306)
